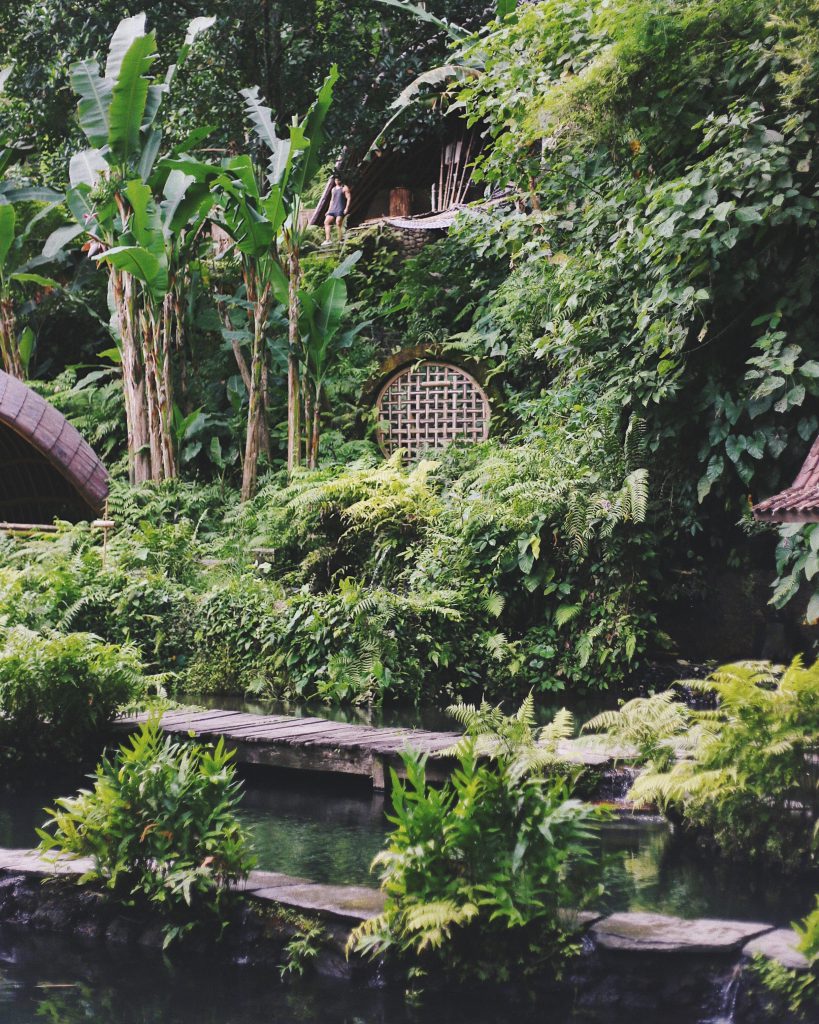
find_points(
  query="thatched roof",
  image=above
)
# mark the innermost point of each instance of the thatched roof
(47, 470)
(800, 502)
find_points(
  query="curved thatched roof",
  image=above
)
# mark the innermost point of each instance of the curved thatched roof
(47, 470)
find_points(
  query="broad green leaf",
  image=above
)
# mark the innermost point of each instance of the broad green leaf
(455, 32)
(145, 223)
(84, 210)
(331, 301)
(95, 100)
(128, 30)
(279, 283)
(176, 189)
(30, 194)
(347, 264)
(129, 96)
(434, 76)
(312, 132)
(87, 167)
(8, 219)
(60, 238)
(254, 233)
(141, 264)
(26, 347)
(279, 164)
(150, 151)
(25, 277)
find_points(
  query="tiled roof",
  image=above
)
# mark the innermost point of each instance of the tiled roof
(46, 468)
(800, 502)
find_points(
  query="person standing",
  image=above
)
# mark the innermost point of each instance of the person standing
(340, 200)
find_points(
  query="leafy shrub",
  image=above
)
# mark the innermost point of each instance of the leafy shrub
(160, 826)
(482, 875)
(58, 694)
(750, 777)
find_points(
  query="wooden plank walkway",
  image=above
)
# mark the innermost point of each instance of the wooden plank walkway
(319, 745)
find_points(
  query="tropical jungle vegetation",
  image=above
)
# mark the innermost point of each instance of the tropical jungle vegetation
(637, 289)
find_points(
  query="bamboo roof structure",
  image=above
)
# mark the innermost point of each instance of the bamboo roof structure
(47, 470)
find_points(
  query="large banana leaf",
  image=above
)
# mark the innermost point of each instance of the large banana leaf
(184, 199)
(92, 218)
(8, 219)
(29, 278)
(453, 31)
(60, 238)
(13, 193)
(129, 97)
(150, 151)
(331, 301)
(141, 264)
(128, 30)
(145, 223)
(312, 127)
(261, 117)
(95, 100)
(86, 167)
(254, 231)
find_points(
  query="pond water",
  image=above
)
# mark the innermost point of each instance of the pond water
(43, 980)
(330, 833)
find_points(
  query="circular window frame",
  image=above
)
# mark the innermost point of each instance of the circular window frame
(383, 441)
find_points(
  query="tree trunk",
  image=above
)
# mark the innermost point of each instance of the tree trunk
(12, 363)
(255, 412)
(316, 429)
(293, 404)
(147, 329)
(133, 381)
(164, 387)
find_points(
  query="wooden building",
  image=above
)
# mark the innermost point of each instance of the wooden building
(430, 178)
(47, 470)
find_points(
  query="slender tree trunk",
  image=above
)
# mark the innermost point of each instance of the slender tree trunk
(293, 404)
(147, 327)
(133, 381)
(316, 429)
(308, 420)
(255, 413)
(165, 387)
(12, 363)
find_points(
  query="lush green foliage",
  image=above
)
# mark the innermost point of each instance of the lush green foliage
(484, 874)
(58, 694)
(160, 826)
(745, 773)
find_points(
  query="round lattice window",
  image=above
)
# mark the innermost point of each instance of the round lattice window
(428, 405)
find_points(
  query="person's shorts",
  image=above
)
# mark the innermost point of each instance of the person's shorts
(338, 214)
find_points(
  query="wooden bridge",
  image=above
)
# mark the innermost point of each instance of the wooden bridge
(321, 746)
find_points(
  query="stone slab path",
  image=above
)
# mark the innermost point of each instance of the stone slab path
(351, 904)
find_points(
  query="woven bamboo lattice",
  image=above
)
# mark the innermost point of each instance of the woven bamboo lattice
(429, 406)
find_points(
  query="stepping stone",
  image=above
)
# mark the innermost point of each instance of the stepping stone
(780, 945)
(656, 933)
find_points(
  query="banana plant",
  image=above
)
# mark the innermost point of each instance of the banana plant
(323, 312)
(292, 164)
(131, 217)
